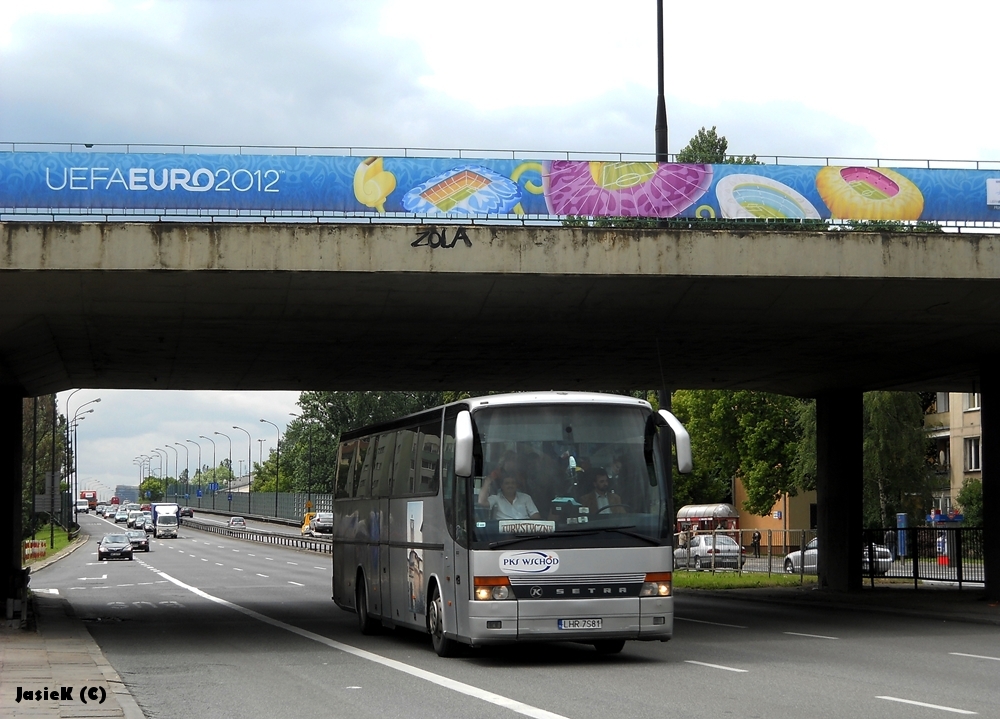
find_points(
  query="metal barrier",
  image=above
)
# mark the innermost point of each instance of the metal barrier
(33, 549)
(254, 535)
(777, 552)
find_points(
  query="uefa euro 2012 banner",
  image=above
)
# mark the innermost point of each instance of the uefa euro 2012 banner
(156, 183)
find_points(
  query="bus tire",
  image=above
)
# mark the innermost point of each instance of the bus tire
(443, 646)
(366, 624)
(609, 646)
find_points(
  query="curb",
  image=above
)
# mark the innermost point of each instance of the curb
(81, 539)
(824, 603)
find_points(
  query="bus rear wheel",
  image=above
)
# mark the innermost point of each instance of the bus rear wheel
(443, 646)
(366, 623)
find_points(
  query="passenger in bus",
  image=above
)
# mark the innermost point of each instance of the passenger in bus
(508, 503)
(602, 500)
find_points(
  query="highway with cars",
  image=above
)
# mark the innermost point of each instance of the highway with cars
(209, 625)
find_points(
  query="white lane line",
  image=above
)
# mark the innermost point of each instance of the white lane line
(441, 681)
(203, 559)
(811, 636)
(714, 624)
(716, 666)
(262, 575)
(953, 710)
(219, 546)
(295, 563)
(974, 656)
(126, 585)
(190, 555)
(268, 559)
(237, 569)
(320, 568)
(143, 584)
(297, 584)
(220, 564)
(251, 555)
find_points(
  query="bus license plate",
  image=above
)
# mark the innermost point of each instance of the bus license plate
(579, 623)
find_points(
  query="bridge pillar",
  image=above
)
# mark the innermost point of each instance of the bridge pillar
(11, 491)
(839, 488)
(989, 417)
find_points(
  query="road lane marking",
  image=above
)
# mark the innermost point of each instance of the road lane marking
(715, 624)
(203, 559)
(45, 591)
(268, 559)
(441, 681)
(190, 555)
(295, 563)
(237, 569)
(86, 579)
(811, 636)
(297, 584)
(220, 564)
(319, 568)
(953, 710)
(251, 555)
(974, 656)
(716, 666)
(262, 575)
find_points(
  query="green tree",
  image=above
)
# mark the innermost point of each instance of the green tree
(36, 456)
(709, 147)
(970, 499)
(152, 485)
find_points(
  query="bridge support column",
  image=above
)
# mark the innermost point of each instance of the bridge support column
(839, 488)
(989, 417)
(11, 491)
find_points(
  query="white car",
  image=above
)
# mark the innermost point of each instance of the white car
(705, 551)
(793, 560)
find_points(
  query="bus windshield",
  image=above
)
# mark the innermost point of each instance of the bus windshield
(565, 470)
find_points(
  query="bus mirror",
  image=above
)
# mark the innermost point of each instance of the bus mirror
(682, 440)
(463, 444)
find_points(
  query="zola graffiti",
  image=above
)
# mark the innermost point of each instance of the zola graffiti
(434, 238)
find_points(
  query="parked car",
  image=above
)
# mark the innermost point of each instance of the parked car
(705, 551)
(793, 560)
(237, 523)
(322, 523)
(114, 546)
(185, 512)
(139, 539)
(121, 516)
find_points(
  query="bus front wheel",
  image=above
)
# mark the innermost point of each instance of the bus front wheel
(443, 646)
(366, 623)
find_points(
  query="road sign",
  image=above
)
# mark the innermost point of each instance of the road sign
(187, 496)
(230, 496)
(148, 494)
(309, 505)
(213, 486)
(199, 493)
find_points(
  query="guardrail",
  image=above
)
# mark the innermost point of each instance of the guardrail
(322, 546)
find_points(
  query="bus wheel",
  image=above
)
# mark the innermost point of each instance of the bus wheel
(609, 646)
(366, 623)
(435, 625)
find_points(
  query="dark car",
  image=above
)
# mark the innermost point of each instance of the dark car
(185, 512)
(114, 546)
(139, 539)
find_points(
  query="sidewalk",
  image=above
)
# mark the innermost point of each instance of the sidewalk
(941, 602)
(56, 653)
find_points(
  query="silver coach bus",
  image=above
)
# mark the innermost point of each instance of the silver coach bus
(518, 517)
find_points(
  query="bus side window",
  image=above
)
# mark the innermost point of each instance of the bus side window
(382, 469)
(429, 459)
(344, 467)
(455, 494)
(403, 462)
(362, 478)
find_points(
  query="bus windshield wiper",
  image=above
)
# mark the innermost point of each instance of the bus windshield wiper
(520, 538)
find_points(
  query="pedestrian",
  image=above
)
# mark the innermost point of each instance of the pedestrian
(755, 543)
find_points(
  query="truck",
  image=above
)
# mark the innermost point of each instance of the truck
(165, 519)
(90, 495)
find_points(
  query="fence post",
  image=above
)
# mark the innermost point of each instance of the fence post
(802, 557)
(915, 553)
(770, 551)
(871, 561)
(958, 553)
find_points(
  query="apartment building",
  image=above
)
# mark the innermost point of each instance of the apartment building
(955, 425)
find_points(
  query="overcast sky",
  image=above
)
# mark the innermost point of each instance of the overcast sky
(854, 79)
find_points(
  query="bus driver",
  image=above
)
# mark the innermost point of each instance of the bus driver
(508, 503)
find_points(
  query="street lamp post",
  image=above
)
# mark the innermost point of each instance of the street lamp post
(163, 480)
(199, 469)
(177, 473)
(277, 463)
(249, 470)
(309, 462)
(229, 494)
(187, 470)
(661, 103)
(214, 482)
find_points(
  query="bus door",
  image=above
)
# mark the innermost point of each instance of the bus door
(404, 561)
(454, 491)
(381, 491)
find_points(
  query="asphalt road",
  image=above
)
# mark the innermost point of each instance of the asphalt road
(211, 626)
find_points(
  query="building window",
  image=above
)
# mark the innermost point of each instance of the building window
(944, 452)
(942, 402)
(973, 460)
(970, 400)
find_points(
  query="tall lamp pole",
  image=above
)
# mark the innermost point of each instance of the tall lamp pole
(277, 463)
(661, 103)
(177, 473)
(187, 469)
(163, 475)
(214, 482)
(249, 470)
(229, 494)
(198, 472)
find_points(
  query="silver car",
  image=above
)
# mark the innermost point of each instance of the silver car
(705, 551)
(793, 560)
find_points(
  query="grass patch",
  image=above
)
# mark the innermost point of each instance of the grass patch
(732, 580)
(61, 541)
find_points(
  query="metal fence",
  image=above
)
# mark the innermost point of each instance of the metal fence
(284, 505)
(323, 546)
(953, 555)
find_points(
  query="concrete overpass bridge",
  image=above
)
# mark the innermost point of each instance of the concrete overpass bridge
(393, 306)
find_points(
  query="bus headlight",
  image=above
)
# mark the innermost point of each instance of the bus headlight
(490, 588)
(657, 584)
